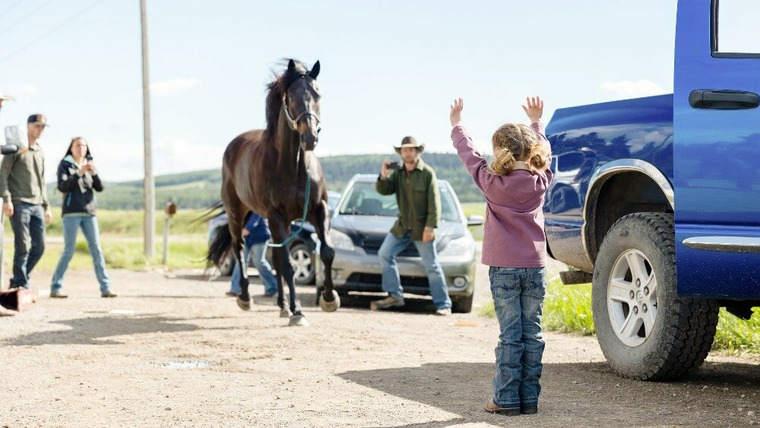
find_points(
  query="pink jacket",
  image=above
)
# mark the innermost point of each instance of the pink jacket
(514, 225)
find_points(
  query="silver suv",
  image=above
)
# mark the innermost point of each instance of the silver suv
(364, 217)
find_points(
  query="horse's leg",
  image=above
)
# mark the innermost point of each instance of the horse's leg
(280, 233)
(276, 257)
(329, 300)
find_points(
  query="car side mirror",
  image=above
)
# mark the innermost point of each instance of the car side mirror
(475, 220)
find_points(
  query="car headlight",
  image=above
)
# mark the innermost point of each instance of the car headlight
(457, 247)
(341, 241)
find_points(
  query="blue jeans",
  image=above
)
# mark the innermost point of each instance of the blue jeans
(91, 231)
(28, 223)
(391, 280)
(518, 296)
(261, 264)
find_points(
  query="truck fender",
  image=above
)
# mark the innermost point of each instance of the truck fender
(596, 184)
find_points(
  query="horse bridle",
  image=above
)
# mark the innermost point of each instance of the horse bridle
(293, 122)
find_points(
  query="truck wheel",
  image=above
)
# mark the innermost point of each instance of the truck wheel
(645, 330)
(303, 268)
(462, 305)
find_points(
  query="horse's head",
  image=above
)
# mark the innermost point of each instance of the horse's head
(301, 105)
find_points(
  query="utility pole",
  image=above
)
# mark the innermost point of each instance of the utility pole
(149, 187)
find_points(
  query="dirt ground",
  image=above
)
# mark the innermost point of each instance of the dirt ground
(173, 350)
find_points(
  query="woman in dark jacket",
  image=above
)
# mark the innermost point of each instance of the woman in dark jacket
(77, 178)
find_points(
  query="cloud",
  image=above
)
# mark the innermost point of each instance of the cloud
(164, 88)
(633, 89)
(173, 154)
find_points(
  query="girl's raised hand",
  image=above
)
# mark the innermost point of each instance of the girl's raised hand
(534, 109)
(456, 112)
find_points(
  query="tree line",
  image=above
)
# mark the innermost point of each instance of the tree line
(201, 189)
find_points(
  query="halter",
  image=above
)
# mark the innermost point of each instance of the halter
(293, 122)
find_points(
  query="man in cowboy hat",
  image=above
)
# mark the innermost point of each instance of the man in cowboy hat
(419, 211)
(25, 201)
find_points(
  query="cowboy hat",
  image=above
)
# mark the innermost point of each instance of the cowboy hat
(410, 142)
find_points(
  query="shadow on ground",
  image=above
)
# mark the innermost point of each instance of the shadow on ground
(94, 331)
(581, 394)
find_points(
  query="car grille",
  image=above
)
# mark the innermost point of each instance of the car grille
(372, 246)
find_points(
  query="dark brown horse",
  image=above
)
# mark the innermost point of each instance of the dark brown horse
(266, 171)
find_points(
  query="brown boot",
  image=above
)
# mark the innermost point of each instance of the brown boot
(387, 303)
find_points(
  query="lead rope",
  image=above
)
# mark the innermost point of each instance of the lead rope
(295, 233)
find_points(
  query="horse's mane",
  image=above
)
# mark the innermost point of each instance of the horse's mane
(277, 89)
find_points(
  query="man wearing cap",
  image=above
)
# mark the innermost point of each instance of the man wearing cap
(419, 211)
(25, 201)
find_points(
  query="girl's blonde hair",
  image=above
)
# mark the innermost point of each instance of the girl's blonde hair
(512, 143)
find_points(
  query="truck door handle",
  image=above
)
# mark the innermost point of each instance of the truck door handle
(723, 99)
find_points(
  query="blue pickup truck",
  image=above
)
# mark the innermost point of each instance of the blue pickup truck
(656, 200)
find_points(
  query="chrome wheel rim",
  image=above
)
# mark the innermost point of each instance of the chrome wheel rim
(300, 259)
(632, 298)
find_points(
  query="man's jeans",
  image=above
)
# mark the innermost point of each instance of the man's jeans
(28, 223)
(518, 296)
(91, 231)
(261, 264)
(391, 280)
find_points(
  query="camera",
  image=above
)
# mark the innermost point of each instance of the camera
(394, 165)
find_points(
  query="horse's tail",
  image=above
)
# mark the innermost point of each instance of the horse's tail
(220, 246)
(208, 214)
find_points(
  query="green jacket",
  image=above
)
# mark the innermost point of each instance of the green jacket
(419, 203)
(22, 177)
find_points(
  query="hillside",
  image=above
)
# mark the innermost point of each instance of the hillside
(200, 189)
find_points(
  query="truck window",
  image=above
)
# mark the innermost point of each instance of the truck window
(735, 31)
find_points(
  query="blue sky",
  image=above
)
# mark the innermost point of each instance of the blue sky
(389, 69)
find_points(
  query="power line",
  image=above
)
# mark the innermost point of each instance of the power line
(27, 16)
(52, 30)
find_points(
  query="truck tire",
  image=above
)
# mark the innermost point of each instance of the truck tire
(644, 329)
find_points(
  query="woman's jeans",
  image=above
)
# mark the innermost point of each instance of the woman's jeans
(91, 231)
(518, 296)
(261, 264)
(392, 282)
(28, 223)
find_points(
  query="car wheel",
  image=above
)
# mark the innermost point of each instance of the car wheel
(302, 262)
(462, 305)
(225, 269)
(644, 329)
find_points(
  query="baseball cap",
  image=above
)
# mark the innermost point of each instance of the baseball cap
(4, 96)
(37, 119)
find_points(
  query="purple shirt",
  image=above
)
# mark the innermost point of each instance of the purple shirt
(514, 225)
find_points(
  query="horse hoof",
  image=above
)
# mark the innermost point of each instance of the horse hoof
(298, 321)
(243, 304)
(285, 313)
(329, 306)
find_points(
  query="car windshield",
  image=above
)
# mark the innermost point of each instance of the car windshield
(363, 199)
(332, 200)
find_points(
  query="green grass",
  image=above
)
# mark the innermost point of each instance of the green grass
(567, 308)
(475, 208)
(121, 239)
(736, 335)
